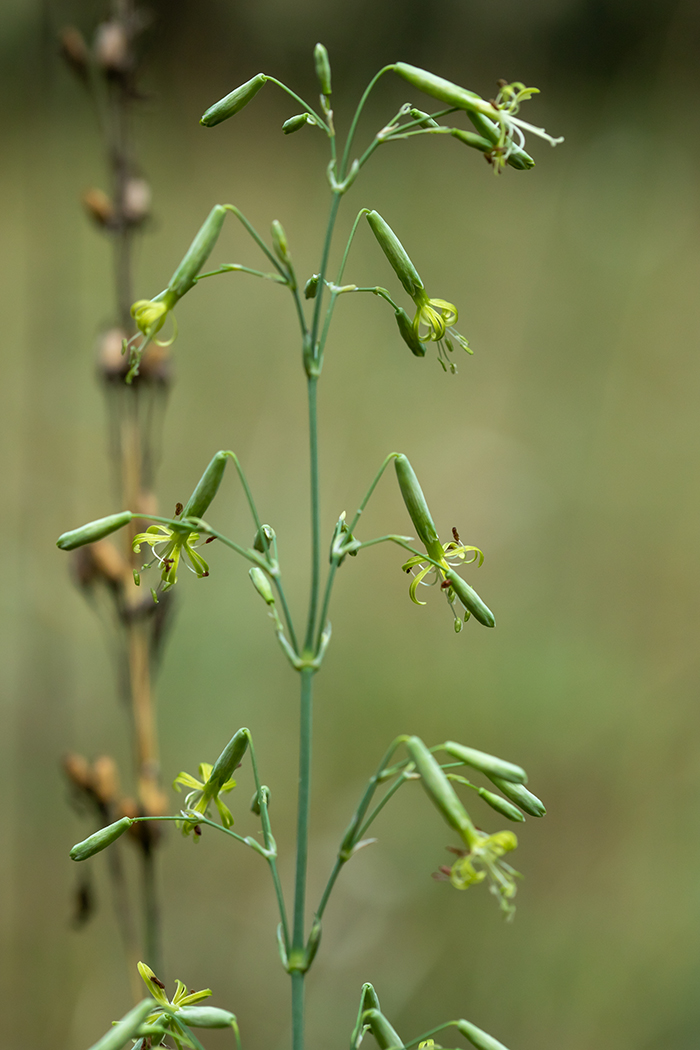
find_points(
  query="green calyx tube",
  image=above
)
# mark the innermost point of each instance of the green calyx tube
(207, 487)
(440, 790)
(478, 1038)
(234, 102)
(396, 254)
(488, 764)
(520, 795)
(93, 531)
(197, 254)
(443, 90)
(470, 599)
(386, 1037)
(100, 840)
(408, 333)
(417, 507)
(226, 764)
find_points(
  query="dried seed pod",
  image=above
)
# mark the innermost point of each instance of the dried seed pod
(99, 207)
(77, 769)
(105, 780)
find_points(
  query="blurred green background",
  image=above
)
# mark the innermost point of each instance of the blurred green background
(566, 448)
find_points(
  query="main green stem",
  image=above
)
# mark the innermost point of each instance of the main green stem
(298, 935)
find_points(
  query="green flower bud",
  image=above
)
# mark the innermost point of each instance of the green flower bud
(396, 254)
(94, 530)
(408, 333)
(297, 122)
(323, 68)
(311, 287)
(369, 999)
(387, 1038)
(100, 840)
(439, 789)
(507, 809)
(520, 795)
(260, 796)
(125, 1029)
(226, 764)
(207, 487)
(417, 507)
(206, 1017)
(426, 121)
(470, 139)
(478, 1038)
(443, 90)
(262, 584)
(488, 764)
(234, 102)
(197, 254)
(279, 242)
(263, 539)
(470, 599)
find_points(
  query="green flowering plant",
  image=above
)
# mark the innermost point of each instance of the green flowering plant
(499, 135)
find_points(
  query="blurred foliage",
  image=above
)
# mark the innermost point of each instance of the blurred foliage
(566, 448)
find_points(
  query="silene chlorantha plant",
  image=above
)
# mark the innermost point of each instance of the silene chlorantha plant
(479, 856)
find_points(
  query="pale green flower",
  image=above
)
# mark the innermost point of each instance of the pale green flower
(434, 321)
(200, 795)
(483, 861)
(176, 542)
(453, 553)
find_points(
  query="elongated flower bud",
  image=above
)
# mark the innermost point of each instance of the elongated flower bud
(100, 840)
(387, 1038)
(206, 1017)
(408, 333)
(439, 789)
(488, 764)
(234, 102)
(470, 138)
(198, 252)
(296, 123)
(207, 487)
(323, 68)
(262, 584)
(370, 999)
(226, 763)
(417, 507)
(396, 254)
(520, 795)
(311, 287)
(443, 90)
(507, 809)
(478, 1038)
(425, 120)
(279, 241)
(470, 599)
(94, 530)
(126, 1029)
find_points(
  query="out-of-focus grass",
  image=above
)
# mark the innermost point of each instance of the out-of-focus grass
(566, 448)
